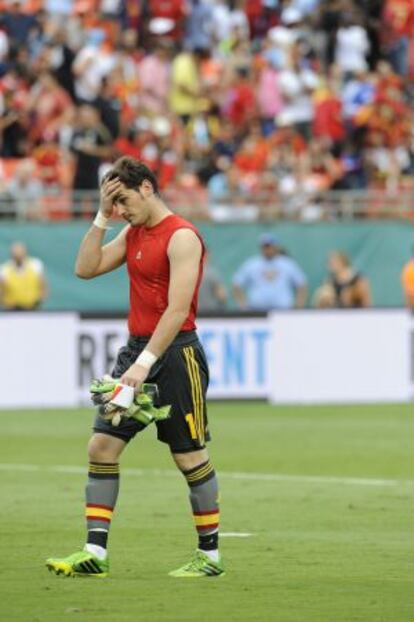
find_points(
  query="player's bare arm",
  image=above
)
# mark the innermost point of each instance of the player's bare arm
(93, 258)
(184, 253)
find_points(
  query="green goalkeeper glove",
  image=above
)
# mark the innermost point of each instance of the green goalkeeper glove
(142, 408)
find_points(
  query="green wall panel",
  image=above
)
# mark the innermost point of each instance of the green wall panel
(379, 249)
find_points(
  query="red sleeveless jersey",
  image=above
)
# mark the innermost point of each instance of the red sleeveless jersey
(149, 274)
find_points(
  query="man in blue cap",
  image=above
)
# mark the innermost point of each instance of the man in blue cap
(271, 280)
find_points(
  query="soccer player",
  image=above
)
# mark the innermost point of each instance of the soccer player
(164, 255)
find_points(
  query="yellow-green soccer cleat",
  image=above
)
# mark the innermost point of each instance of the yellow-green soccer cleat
(200, 566)
(81, 564)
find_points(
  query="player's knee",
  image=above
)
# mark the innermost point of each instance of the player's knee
(190, 460)
(101, 449)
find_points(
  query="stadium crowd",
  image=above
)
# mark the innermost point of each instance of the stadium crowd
(260, 101)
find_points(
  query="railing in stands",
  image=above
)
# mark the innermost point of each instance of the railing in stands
(196, 204)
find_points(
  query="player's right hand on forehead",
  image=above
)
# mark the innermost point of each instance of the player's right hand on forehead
(109, 189)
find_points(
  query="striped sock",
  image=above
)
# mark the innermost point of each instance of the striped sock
(204, 502)
(101, 495)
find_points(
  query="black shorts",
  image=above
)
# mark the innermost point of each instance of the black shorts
(181, 375)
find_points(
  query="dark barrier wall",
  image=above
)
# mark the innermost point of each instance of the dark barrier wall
(378, 249)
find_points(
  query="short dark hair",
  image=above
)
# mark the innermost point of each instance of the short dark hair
(132, 173)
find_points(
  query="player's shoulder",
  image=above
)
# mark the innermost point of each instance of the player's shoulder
(179, 222)
(184, 238)
(179, 226)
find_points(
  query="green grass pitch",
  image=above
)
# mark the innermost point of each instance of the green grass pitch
(334, 542)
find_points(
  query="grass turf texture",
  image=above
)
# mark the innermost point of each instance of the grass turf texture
(322, 551)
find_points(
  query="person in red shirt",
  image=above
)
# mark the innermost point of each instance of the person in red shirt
(164, 255)
(174, 10)
(240, 106)
(328, 121)
(398, 19)
(49, 107)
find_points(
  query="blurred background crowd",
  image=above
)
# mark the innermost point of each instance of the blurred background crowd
(246, 109)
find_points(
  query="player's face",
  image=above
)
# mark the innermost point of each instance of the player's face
(132, 205)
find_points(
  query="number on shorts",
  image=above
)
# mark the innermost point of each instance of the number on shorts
(191, 426)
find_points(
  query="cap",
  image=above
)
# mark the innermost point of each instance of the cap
(268, 239)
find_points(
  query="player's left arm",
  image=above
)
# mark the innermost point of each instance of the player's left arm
(184, 253)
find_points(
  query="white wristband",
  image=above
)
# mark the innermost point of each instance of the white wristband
(101, 221)
(146, 359)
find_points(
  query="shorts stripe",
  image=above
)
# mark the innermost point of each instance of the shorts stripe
(196, 391)
(200, 396)
(192, 385)
(192, 374)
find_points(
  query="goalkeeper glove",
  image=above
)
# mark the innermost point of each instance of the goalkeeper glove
(142, 408)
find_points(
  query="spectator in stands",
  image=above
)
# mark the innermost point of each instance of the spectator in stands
(297, 84)
(25, 192)
(269, 97)
(225, 184)
(91, 145)
(13, 133)
(352, 45)
(212, 295)
(240, 101)
(108, 105)
(345, 287)
(185, 90)
(93, 62)
(399, 18)
(60, 57)
(17, 23)
(271, 280)
(199, 26)
(49, 107)
(407, 282)
(154, 78)
(23, 284)
(215, 72)
(328, 119)
(171, 10)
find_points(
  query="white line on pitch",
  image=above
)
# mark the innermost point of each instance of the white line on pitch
(260, 477)
(235, 534)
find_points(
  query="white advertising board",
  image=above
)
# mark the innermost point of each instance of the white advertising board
(37, 360)
(340, 356)
(49, 359)
(237, 351)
